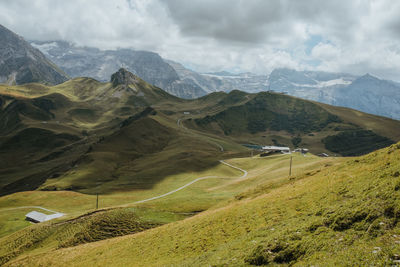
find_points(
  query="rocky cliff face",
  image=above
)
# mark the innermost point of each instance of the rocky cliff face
(21, 63)
(100, 64)
(123, 77)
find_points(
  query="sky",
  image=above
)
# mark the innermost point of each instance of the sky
(355, 36)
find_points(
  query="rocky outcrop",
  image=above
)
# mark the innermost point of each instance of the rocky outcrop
(123, 77)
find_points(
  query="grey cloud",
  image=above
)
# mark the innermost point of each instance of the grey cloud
(102, 23)
(258, 20)
(241, 21)
(242, 35)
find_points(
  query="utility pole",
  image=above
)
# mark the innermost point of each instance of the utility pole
(251, 153)
(290, 169)
(97, 201)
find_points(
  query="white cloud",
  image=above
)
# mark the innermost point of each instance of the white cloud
(325, 51)
(357, 36)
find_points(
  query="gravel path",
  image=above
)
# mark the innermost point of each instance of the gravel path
(194, 181)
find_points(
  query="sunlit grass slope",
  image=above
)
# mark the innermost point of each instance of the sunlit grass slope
(341, 215)
(271, 172)
(198, 197)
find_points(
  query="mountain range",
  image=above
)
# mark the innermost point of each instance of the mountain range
(23, 62)
(365, 93)
(100, 64)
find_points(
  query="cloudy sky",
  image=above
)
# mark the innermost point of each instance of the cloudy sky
(235, 35)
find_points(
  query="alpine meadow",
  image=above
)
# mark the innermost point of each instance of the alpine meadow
(198, 133)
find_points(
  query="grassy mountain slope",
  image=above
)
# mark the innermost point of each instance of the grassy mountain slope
(95, 137)
(188, 202)
(282, 120)
(341, 215)
(381, 125)
(129, 141)
(271, 111)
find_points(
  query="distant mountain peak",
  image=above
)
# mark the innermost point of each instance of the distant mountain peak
(367, 79)
(124, 77)
(368, 76)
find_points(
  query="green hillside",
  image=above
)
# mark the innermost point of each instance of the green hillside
(79, 208)
(273, 112)
(344, 214)
(277, 119)
(154, 159)
(94, 137)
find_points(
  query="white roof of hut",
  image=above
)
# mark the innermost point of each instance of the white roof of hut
(275, 148)
(36, 216)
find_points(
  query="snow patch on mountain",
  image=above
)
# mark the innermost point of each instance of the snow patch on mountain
(322, 84)
(45, 47)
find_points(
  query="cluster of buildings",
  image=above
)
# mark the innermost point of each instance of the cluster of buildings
(283, 149)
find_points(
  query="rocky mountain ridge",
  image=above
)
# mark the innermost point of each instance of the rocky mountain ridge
(21, 63)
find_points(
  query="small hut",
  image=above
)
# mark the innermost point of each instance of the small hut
(37, 217)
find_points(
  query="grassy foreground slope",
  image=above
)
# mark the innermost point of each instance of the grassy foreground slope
(197, 197)
(338, 216)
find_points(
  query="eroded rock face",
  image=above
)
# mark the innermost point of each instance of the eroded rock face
(123, 77)
(21, 63)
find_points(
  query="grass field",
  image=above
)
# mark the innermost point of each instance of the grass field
(343, 214)
(198, 197)
(201, 196)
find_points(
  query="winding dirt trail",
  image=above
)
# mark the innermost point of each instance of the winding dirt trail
(152, 198)
(194, 181)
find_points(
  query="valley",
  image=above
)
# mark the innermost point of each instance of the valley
(158, 162)
(93, 137)
(123, 158)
